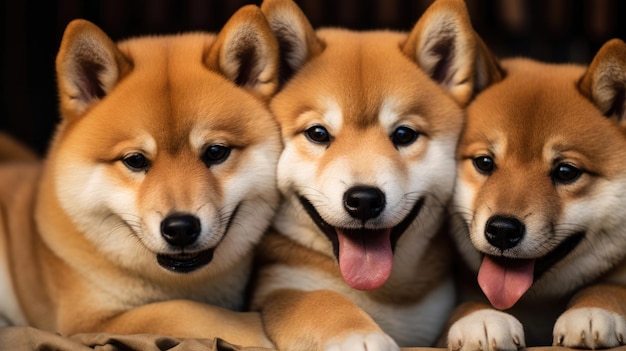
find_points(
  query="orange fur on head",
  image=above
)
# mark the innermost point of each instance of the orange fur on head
(370, 122)
(542, 170)
(158, 185)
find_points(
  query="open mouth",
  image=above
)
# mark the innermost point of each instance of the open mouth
(504, 280)
(567, 246)
(365, 256)
(185, 262)
(331, 232)
(189, 262)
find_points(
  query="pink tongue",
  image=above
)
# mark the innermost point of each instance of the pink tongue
(365, 260)
(504, 282)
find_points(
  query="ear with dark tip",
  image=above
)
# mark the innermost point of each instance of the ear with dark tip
(445, 46)
(604, 82)
(246, 52)
(88, 66)
(296, 37)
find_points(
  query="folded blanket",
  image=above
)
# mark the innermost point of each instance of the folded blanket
(27, 338)
(31, 339)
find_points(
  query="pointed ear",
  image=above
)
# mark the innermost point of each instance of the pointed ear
(88, 66)
(604, 83)
(246, 52)
(445, 46)
(295, 35)
(487, 69)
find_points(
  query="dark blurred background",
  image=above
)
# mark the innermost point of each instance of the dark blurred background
(551, 30)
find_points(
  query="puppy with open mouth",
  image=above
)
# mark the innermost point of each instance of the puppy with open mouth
(159, 183)
(370, 123)
(541, 181)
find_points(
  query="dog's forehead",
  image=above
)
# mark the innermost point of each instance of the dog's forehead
(188, 47)
(171, 95)
(174, 66)
(537, 114)
(365, 76)
(365, 69)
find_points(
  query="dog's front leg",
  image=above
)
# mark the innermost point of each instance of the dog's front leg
(595, 319)
(320, 320)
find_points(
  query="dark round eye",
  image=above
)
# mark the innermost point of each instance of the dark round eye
(136, 162)
(318, 134)
(215, 154)
(565, 173)
(403, 136)
(484, 164)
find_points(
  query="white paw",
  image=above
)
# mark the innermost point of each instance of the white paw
(486, 330)
(363, 342)
(589, 328)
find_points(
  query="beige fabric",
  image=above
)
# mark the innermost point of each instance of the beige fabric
(27, 338)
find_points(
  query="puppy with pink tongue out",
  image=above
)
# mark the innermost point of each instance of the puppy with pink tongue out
(538, 205)
(370, 122)
(504, 284)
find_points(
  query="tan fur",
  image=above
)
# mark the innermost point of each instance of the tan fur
(81, 233)
(361, 87)
(534, 119)
(12, 150)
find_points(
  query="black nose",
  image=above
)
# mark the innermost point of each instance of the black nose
(364, 202)
(180, 229)
(504, 232)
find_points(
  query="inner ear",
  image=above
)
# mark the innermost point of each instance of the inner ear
(487, 69)
(443, 44)
(604, 82)
(292, 53)
(438, 55)
(295, 35)
(246, 52)
(88, 78)
(618, 108)
(248, 70)
(88, 66)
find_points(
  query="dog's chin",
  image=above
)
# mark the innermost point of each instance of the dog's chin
(331, 231)
(185, 262)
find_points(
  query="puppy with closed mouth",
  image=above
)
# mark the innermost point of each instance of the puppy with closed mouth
(370, 122)
(541, 179)
(158, 184)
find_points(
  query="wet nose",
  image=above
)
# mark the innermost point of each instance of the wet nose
(364, 202)
(504, 232)
(180, 229)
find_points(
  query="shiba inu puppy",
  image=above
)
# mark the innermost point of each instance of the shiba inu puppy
(541, 185)
(158, 184)
(370, 123)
